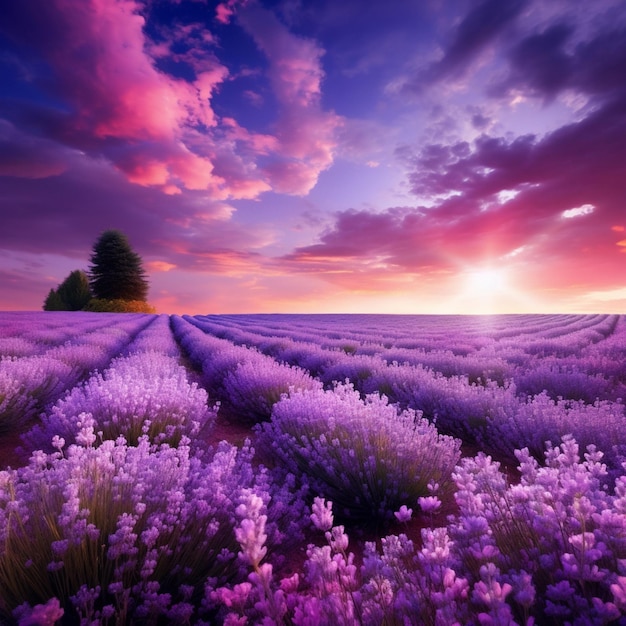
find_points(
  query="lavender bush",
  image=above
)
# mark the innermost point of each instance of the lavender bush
(156, 337)
(455, 405)
(357, 369)
(254, 386)
(17, 347)
(27, 385)
(556, 542)
(364, 455)
(213, 356)
(143, 394)
(560, 381)
(121, 533)
(541, 420)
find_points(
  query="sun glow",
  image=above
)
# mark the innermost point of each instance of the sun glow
(488, 290)
(486, 280)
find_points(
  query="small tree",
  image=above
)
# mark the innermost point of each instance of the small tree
(74, 291)
(53, 301)
(72, 294)
(116, 272)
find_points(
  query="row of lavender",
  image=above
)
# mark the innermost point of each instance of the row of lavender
(554, 400)
(129, 517)
(43, 356)
(534, 351)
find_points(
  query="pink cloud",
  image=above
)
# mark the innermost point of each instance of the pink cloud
(259, 143)
(307, 135)
(161, 130)
(159, 266)
(117, 92)
(295, 69)
(147, 172)
(225, 10)
(121, 105)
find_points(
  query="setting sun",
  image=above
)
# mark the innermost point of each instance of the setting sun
(486, 280)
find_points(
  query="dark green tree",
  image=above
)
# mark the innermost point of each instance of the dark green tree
(116, 272)
(74, 291)
(53, 301)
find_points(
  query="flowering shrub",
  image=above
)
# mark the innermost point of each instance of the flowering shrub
(356, 369)
(478, 366)
(562, 382)
(143, 394)
(366, 456)
(83, 358)
(556, 542)
(456, 406)
(542, 420)
(27, 385)
(17, 346)
(215, 357)
(329, 592)
(127, 533)
(310, 357)
(254, 386)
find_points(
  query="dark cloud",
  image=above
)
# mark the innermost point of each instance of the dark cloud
(27, 156)
(587, 153)
(480, 27)
(543, 65)
(600, 64)
(540, 64)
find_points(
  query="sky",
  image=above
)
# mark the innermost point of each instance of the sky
(319, 156)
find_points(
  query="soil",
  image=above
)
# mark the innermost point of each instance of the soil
(9, 457)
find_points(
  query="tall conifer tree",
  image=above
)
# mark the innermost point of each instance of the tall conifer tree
(116, 272)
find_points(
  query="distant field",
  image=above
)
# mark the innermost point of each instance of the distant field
(167, 469)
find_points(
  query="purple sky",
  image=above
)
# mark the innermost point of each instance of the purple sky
(444, 156)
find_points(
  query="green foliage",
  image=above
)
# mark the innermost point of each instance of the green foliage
(53, 302)
(100, 305)
(116, 272)
(71, 295)
(74, 291)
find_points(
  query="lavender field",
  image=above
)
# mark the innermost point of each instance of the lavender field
(312, 469)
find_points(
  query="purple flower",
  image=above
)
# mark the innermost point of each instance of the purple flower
(404, 514)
